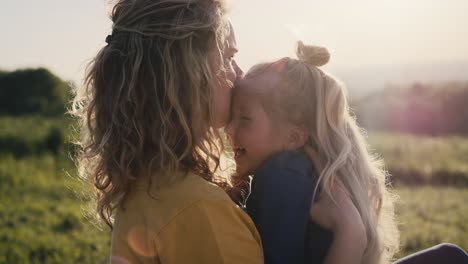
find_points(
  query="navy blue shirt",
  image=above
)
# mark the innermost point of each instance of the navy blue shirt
(281, 194)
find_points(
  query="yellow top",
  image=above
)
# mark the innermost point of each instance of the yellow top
(192, 221)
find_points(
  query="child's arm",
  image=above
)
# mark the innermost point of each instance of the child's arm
(343, 219)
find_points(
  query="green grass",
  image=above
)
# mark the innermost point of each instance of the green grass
(42, 215)
(431, 175)
(32, 128)
(423, 160)
(428, 216)
(34, 135)
(42, 218)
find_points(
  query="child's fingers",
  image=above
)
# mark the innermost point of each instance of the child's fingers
(313, 156)
(319, 213)
(311, 153)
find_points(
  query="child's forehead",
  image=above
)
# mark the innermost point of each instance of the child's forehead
(263, 82)
(256, 91)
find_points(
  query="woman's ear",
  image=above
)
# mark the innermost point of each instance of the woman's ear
(297, 137)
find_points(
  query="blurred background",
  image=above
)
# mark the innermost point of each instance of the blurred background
(405, 64)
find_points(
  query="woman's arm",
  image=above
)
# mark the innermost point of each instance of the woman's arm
(342, 217)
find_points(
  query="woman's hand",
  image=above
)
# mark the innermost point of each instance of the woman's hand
(340, 215)
(337, 213)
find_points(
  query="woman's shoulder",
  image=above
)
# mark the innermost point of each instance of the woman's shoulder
(160, 205)
(186, 188)
(195, 188)
(183, 217)
(212, 220)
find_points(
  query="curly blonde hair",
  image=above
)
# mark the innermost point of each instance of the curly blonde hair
(308, 97)
(146, 108)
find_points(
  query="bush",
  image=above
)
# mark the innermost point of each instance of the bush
(32, 91)
(34, 135)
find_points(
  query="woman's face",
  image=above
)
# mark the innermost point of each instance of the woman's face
(225, 80)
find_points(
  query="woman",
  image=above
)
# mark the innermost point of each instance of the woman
(153, 100)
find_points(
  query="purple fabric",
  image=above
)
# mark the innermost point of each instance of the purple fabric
(445, 253)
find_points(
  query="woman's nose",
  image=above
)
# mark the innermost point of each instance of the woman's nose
(229, 129)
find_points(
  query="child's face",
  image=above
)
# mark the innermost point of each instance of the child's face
(251, 132)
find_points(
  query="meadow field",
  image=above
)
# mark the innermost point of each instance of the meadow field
(44, 208)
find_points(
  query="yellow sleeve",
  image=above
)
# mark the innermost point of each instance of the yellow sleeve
(210, 231)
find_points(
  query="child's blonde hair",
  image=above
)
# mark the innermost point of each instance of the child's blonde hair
(147, 104)
(308, 97)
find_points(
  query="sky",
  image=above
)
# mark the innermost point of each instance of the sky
(63, 35)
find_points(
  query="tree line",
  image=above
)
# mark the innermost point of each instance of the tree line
(435, 109)
(32, 91)
(30, 96)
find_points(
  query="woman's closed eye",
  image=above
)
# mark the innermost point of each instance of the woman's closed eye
(229, 55)
(245, 118)
(244, 121)
(241, 119)
(228, 60)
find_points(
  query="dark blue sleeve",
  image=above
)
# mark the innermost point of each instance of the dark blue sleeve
(279, 203)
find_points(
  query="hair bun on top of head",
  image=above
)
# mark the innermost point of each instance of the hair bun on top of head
(312, 55)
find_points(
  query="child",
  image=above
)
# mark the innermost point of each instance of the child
(281, 109)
